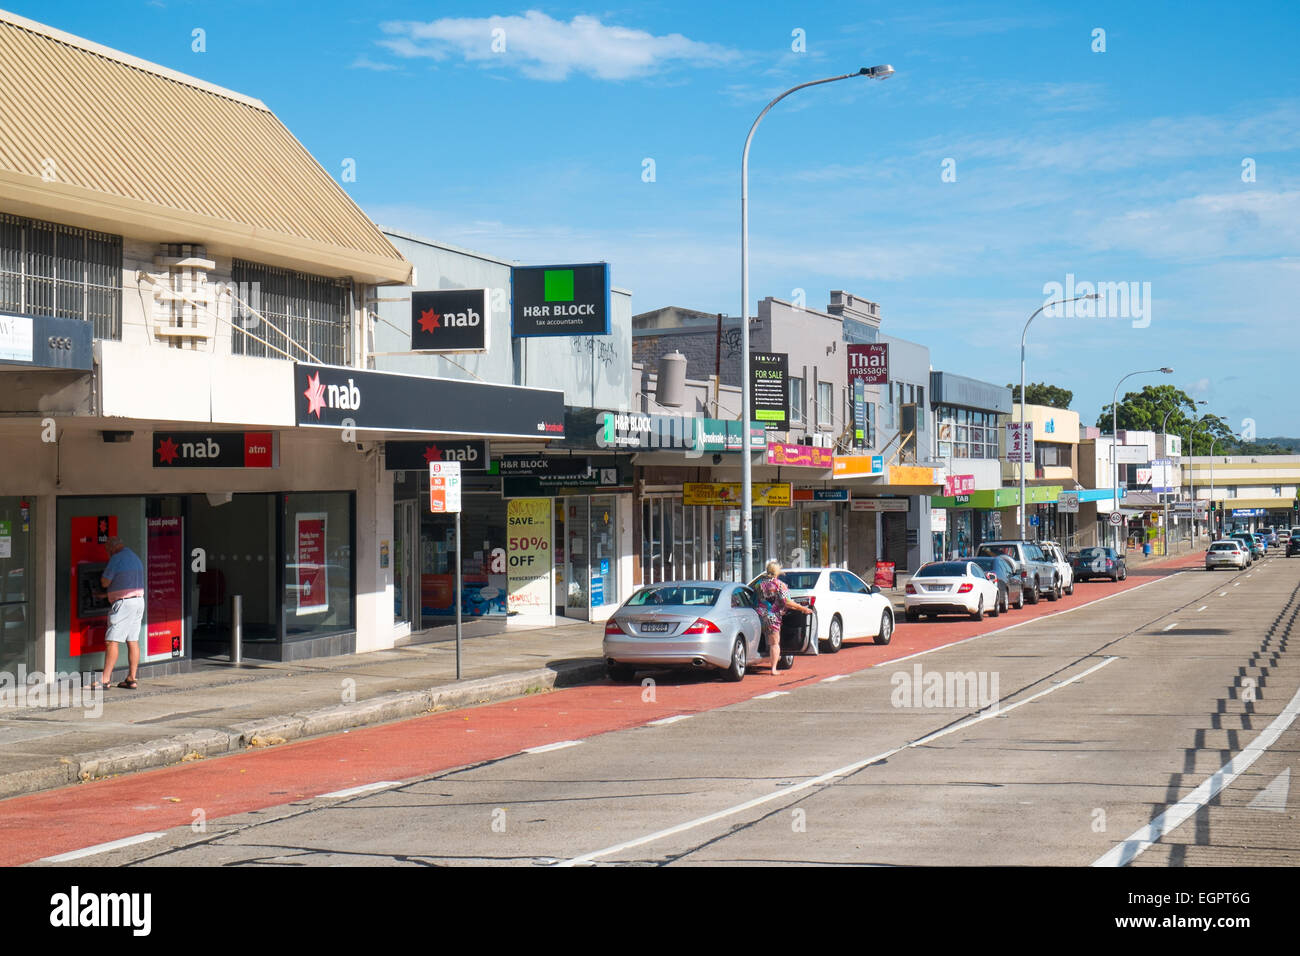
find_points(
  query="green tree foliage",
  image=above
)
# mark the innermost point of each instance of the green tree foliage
(1146, 411)
(1040, 393)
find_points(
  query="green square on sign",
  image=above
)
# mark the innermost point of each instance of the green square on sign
(558, 285)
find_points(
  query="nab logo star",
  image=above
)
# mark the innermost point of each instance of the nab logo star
(433, 453)
(429, 320)
(315, 395)
(166, 452)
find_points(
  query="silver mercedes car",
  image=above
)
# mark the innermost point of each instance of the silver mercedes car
(701, 624)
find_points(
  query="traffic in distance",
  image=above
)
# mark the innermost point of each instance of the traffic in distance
(718, 626)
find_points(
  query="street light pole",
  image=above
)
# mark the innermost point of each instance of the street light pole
(1020, 511)
(1191, 475)
(746, 469)
(1114, 438)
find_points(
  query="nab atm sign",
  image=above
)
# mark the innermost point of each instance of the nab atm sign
(560, 300)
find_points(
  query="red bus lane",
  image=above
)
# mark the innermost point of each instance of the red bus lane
(45, 824)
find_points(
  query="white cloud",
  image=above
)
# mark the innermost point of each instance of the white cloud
(546, 49)
(365, 63)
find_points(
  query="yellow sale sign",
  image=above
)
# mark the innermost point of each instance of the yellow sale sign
(528, 556)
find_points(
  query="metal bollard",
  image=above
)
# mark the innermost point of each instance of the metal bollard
(236, 629)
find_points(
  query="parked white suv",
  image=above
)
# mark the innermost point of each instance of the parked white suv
(1054, 551)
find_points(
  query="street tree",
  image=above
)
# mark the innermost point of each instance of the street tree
(1040, 393)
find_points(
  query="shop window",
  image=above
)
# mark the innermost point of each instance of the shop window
(797, 386)
(604, 552)
(318, 548)
(825, 403)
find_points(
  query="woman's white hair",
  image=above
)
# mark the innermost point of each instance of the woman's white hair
(774, 568)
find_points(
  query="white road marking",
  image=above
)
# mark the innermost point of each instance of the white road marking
(1223, 594)
(102, 848)
(833, 678)
(1169, 627)
(664, 721)
(1202, 607)
(547, 748)
(826, 777)
(354, 791)
(1125, 852)
(772, 693)
(1236, 584)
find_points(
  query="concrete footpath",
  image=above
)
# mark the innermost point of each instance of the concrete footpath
(218, 709)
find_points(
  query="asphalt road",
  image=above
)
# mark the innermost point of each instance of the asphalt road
(1091, 721)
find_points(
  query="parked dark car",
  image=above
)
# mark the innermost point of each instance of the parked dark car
(1292, 546)
(1099, 563)
(1010, 584)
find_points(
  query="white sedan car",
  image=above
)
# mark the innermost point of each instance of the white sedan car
(952, 587)
(846, 606)
(1226, 554)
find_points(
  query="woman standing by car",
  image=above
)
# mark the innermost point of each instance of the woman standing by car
(773, 602)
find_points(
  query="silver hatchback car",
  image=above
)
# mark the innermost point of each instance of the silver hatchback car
(698, 624)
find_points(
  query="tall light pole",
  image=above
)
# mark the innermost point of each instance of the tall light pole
(1114, 438)
(1217, 521)
(1020, 512)
(1191, 476)
(746, 468)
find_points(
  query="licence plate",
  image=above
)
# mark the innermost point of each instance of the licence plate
(655, 628)
(936, 587)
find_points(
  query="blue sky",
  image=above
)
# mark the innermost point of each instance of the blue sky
(1117, 166)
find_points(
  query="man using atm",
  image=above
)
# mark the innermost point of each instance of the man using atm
(123, 579)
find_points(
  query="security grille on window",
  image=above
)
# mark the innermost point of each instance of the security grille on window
(48, 269)
(305, 316)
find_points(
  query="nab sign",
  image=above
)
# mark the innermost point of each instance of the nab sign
(560, 300)
(450, 320)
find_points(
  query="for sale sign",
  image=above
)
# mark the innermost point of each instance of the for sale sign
(769, 395)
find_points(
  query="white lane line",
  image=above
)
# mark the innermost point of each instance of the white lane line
(354, 791)
(824, 778)
(833, 678)
(1237, 584)
(1169, 627)
(1223, 594)
(772, 693)
(102, 848)
(1202, 607)
(1012, 627)
(1125, 852)
(547, 748)
(665, 721)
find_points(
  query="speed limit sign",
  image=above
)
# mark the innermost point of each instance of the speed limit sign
(1116, 518)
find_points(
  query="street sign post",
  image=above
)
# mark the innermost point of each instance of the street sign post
(1068, 502)
(444, 498)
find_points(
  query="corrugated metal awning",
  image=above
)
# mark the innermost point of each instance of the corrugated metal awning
(114, 143)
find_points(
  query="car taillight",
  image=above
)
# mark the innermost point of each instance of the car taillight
(965, 588)
(1110, 563)
(701, 626)
(910, 589)
(812, 600)
(611, 627)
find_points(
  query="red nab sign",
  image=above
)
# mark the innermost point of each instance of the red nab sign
(869, 364)
(215, 449)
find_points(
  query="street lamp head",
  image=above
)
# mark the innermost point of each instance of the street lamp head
(1167, 371)
(883, 71)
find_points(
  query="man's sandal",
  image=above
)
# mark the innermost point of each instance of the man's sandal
(129, 684)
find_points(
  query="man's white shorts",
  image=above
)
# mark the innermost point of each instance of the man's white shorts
(124, 620)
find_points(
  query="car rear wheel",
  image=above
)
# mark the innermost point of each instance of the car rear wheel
(1070, 589)
(1020, 598)
(978, 613)
(621, 673)
(736, 671)
(785, 663)
(997, 605)
(1054, 592)
(886, 628)
(835, 636)
(1034, 594)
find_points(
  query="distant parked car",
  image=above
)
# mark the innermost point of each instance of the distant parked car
(1100, 563)
(952, 587)
(1054, 551)
(1037, 571)
(1225, 554)
(1009, 582)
